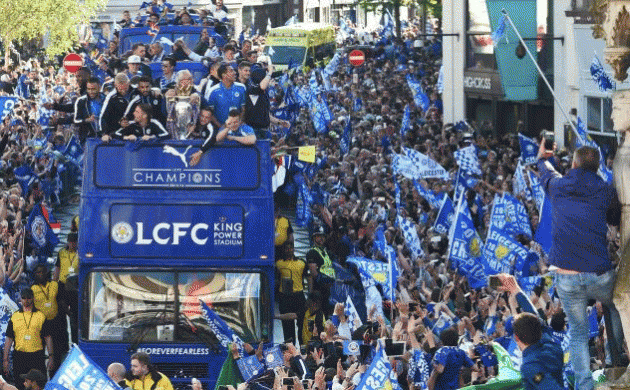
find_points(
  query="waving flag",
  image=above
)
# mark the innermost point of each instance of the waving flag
(543, 231)
(445, 216)
(78, 371)
(374, 271)
(538, 192)
(426, 167)
(353, 315)
(303, 213)
(74, 151)
(499, 251)
(42, 234)
(529, 283)
(404, 126)
(411, 237)
(428, 195)
(516, 216)
(529, 149)
(153, 30)
(499, 32)
(507, 371)
(519, 183)
(346, 138)
(599, 75)
(467, 160)
(221, 330)
(377, 376)
(465, 248)
(463, 182)
(420, 99)
(6, 105)
(583, 138)
(26, 177)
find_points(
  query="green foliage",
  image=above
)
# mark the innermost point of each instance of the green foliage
(24, 20)
(433, 7)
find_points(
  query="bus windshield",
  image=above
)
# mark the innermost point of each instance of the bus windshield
(282, 55)
(163, 306)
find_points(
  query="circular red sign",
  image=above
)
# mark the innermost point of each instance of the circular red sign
(72, 62)
(356, 57)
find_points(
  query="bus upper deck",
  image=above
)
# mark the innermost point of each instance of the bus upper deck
(158, 236)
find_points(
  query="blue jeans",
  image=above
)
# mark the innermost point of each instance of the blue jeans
(575, 290)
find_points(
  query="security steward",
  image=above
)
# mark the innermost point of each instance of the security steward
(27, 330)
(49, 298)
(66, 272)
(543, 360)
(322, 273)
(145, 376)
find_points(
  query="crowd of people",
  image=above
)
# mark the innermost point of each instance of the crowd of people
(360, 212)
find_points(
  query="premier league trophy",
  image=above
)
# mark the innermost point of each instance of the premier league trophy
(183, 109)
(612, 19)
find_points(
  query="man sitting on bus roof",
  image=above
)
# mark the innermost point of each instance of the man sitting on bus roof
(234, 130)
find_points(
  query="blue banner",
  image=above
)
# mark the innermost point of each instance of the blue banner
(374, 271)
(543, 231)
(6, 105)
(516, 216)
(428, 195)
(170, 169)
(74, 151)
(466, 248)
(425, 166)
(221, 330)
(444, 218)
(377, 376)
(529, 149)
(79, 372)
(410, 234)
(404, 126)
(303, 213)
(26, 177)
(171, 231)
(249, 366)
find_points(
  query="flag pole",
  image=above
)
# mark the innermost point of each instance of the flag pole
(529, 53)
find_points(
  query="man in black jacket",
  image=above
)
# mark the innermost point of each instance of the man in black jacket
(116, 107)
(87, 109)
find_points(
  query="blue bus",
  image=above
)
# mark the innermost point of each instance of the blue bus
(158, 236)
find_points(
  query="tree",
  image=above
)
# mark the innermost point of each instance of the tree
(431, 7)
(24, 20)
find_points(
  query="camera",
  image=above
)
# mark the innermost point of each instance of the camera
(549, 138)
(494, 281)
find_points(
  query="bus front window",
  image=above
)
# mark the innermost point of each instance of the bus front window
(164, 306)
(284, 55)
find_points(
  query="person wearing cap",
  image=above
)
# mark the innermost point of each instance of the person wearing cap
(66, 271)
(145, 376)
(134, 64)
(33, 380)
(321, 271)
(27, 331)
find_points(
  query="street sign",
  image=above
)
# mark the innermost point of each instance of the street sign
(72, 62)
(356, 57)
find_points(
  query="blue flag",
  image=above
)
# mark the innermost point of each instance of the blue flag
(43, 236)
(221, 330)
(78, 371)
(428, 195)
(250, 367)
(6, 104)
(445, 216)
(305, 200)
(467, 160)
(346, 138)
(378, 375)
(404, 127)
(584, 139)
(529, 149)
(599, 75)
(351, 348)
(411, 237)
(425, 166)
(374, 271)
(499, 32)
(466, 248)
(74, 151)
(538, 192)
(442, 323)
(26, 177)
(500, 249)
(516, 216)
(543, 232)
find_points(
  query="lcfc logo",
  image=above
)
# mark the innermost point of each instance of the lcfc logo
(122, 233)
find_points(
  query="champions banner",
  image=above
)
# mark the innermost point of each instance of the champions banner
(79, 372)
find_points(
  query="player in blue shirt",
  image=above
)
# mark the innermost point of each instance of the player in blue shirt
(226, 96)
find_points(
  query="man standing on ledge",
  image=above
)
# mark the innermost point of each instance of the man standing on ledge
(582, 204)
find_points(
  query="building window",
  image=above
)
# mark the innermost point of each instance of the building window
(598, 112)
